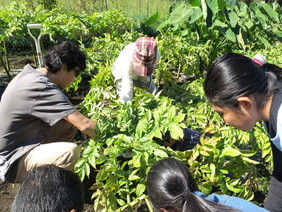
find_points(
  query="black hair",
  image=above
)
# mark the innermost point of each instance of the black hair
(233, 75)
(66, 53)
(49, 188)
(170, 185)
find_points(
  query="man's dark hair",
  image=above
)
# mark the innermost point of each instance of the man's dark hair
(66, 53)
(49, 189)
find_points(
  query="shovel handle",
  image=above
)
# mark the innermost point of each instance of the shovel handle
(34, 26)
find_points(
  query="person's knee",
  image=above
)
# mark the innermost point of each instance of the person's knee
(75, 152)
(68, 159)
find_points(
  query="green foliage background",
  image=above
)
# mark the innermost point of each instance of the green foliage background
(130, 135)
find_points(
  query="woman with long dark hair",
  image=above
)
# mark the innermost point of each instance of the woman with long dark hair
(171, 188)
(244, 91)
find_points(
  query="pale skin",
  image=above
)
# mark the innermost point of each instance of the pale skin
(63, 78)
(247, 114)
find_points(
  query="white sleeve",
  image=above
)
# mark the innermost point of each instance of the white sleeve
(277, 140)
(126, 90)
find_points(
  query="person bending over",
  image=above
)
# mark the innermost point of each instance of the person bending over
(38, 122)
(244, 91)
(134, 67)
(49, 189)
(171, 188)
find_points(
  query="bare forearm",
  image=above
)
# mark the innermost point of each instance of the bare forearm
(89, 128)
(82, 123)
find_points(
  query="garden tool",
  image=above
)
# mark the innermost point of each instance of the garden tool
(37, 41)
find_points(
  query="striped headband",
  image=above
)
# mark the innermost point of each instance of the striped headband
(259, 59)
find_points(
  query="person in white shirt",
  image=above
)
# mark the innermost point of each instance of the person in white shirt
(134, 67)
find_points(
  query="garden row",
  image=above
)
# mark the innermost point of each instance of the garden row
(130, 136)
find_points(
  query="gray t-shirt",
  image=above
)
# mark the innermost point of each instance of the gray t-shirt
(30, 105)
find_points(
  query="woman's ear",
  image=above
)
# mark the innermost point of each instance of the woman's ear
(245, 103)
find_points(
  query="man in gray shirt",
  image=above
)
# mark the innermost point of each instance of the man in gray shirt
(38, 122)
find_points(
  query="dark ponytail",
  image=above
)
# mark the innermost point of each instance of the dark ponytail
(170, 185)
(233, 75)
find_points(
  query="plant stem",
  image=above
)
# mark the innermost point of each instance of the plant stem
(148, 204)
(6, 64)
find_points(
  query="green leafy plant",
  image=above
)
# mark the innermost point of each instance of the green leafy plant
(256, 25)
(130, 141)
(130, 136)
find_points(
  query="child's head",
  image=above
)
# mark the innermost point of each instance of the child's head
(50, 188)
(167, 182)
(170, 188)
(234, 77)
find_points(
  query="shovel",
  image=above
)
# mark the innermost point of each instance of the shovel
(37, 41)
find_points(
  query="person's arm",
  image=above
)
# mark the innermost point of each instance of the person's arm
(126, 91)
(123, 72)
(83, 123)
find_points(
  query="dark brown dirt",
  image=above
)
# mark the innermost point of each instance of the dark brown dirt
(7, 195)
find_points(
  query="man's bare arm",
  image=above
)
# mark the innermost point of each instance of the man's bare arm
(83, 123)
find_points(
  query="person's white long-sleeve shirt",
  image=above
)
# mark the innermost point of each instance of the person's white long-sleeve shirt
(123, 71)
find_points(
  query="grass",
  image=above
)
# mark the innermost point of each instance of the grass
(138, 9)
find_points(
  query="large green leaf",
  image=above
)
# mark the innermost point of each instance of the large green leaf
(223, 3)
(179, 118)
(229, 151)
(206, 187)
(171, 113)
(160, 153)
(140, 189)
(213, 6)
(270, 12)
(136, 160)
(176, 131)
(242, 9)
(241, 37)
(249, 24)
(229, 34)
(233, 18)
(112, 201)
(181, 14)
(153, 19)
(220, 24)
(264, 41)
(102, 175)
(142, 126)
(196, 15)
(163, 24)
(234, 186)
